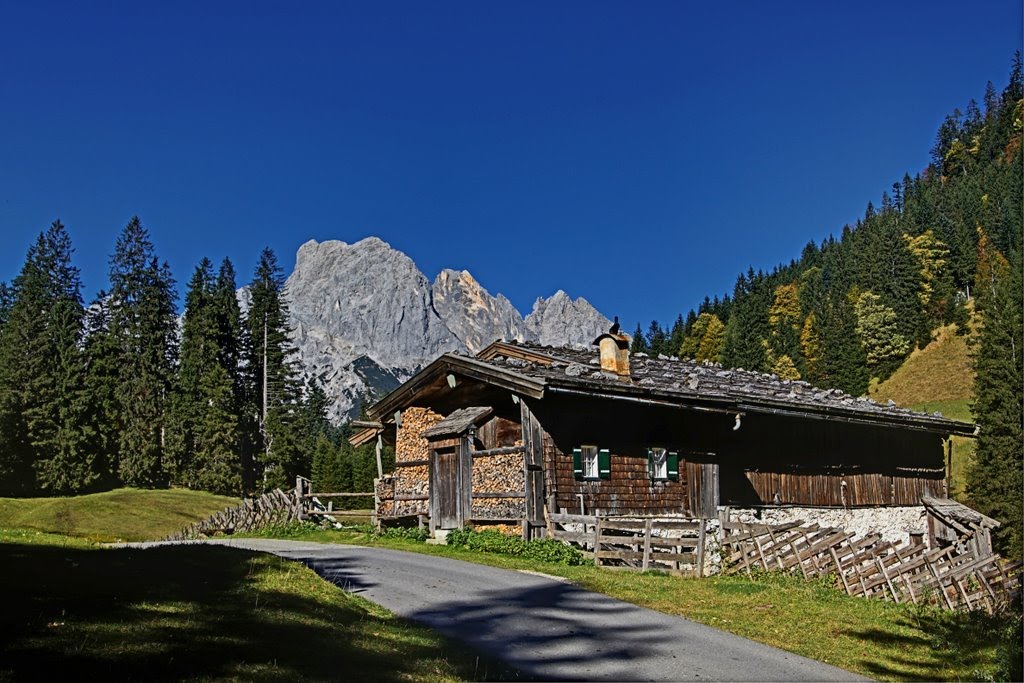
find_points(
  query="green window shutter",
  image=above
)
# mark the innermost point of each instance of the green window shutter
(577, 463)
(604, 464)
(673, 466)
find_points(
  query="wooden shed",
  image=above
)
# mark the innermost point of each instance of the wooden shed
(520, 430)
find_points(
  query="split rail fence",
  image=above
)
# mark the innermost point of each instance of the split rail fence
(870, 567)
(275, 507)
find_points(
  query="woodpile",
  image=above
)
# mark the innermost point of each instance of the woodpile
(412, 481)
(384, 488)
(868, 567)
(276, 507)
(494, 476)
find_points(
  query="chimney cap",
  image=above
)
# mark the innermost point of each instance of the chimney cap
(621, 340)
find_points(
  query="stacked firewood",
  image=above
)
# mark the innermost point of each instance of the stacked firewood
(385, 490)
(498, 474)
(410, 444)
(413, 481)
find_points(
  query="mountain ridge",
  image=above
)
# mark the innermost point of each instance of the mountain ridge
(365, 318)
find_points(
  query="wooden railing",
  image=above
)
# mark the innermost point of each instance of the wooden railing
(673, 545)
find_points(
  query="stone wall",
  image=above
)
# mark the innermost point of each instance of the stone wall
(894, 523)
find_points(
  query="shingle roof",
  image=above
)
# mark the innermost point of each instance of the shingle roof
(458, 422)
(672, 378)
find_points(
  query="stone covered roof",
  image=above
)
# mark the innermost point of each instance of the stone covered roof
(689, 381)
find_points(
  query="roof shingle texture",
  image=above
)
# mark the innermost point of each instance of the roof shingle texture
(682, 379)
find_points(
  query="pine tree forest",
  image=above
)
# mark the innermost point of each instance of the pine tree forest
(123, 391)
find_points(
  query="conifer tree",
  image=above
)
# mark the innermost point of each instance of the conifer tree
(994, 481)
(143, 325)
(274, 386)
(639, 343)
(43, 408)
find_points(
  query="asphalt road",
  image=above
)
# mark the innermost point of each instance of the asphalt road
(544, 627)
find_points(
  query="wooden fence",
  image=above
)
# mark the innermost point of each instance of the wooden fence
(870, 567)
(275, 507)
(673, 545)
(311, 503)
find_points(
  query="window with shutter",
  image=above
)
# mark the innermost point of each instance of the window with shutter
(662, 465)
(604, 464)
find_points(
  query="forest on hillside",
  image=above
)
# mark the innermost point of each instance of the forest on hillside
(853, 308)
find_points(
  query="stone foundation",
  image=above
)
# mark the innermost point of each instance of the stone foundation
(895, 524)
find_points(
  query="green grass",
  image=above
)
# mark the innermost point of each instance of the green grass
(874, 638)
(120, 515)
(940, 372)
(175, 612)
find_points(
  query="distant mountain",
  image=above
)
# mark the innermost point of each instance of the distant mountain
(366, 318)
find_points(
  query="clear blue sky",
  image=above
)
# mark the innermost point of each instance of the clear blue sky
(637, 154)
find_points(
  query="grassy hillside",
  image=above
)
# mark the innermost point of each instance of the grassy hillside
(939, 373)
(123, 514)
(938, 378)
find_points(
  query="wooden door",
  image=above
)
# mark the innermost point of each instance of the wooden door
(447, 487)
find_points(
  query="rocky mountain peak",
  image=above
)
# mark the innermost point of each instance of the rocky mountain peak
(366, 318)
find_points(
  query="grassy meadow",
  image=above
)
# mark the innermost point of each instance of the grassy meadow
(938, 378)
(119, 515)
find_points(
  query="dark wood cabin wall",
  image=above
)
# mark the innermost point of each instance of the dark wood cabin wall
(805, 461)
(499, 432)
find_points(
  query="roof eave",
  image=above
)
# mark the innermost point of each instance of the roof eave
(468, 367)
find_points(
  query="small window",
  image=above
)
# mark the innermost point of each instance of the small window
(591, 462)
(659, 463)
(662, 464)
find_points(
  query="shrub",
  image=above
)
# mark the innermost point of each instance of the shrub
(403, 533)
(542, 549)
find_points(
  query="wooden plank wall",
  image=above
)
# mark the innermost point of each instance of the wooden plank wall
(860, 490)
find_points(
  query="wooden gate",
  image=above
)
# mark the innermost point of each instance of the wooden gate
(446, 488)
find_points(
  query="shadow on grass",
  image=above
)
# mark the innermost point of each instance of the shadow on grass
(987, 645)
(201, 611)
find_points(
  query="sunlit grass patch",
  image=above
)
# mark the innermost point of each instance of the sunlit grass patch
(119, 515)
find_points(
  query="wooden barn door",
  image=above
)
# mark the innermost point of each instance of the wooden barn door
(446, 480)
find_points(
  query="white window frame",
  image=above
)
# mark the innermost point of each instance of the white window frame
(659, 463)
(588, 461)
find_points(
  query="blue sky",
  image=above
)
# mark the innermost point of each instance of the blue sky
(637, 154)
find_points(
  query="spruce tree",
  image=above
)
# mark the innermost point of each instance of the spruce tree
(638, 343)
(43, 408)
(60, 425)
(198, 357)
(143, 324)
(994, 480)
(274, 386)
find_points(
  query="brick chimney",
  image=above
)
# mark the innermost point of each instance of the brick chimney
(614, 349)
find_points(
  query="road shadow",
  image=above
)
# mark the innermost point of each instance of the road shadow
(553, 631)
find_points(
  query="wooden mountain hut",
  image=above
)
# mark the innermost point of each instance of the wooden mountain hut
(521, 430)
